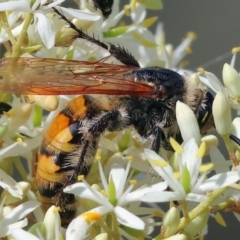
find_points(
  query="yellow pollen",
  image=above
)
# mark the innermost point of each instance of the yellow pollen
(20, 141)
(136, 35)
(177, 175)
(183, 64)
(149, 22)
(130, 158)
(98, 155)
(91, 216)
(202, 150)
(219, 219)
(126, 10)
(80, 178)
(133, 182)
(176, 146)
(235, 50)
(57, 209)
(103, 192)
(201, 70)
(158, 214)
(188, 50)
(158, 163)
(133, 5)
(192, 35)
(8, 114)
(206, 167)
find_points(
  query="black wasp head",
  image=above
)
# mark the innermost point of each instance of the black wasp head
(169, 85)
(105, 6)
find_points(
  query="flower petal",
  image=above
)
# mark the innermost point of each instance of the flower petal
(79, 14)
(220, 180)
(20, 234)
(128, 219)
(44, 29)
(21, 6)
(139, 193)
(164, 196)
(5, 230)
(83, 190)
(10, 185)
(19, 212)
(195, 197)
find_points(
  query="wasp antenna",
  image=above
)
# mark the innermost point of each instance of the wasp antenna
(118, 52)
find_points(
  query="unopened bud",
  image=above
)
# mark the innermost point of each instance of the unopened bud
(187, 122)
(171, 221)
(222, 114)
(196, 225)
(231, 80)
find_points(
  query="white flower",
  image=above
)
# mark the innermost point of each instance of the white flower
(187, 122)
(118, 196)
(41, 20)
(10, 185)
(189, 184)
(13, 219)
(215, 84)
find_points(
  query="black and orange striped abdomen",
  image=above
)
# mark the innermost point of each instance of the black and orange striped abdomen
(59, 155)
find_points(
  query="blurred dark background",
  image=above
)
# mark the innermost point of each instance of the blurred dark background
(214, 21)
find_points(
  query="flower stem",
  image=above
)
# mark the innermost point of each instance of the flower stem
(18, 45)
(224, 205)
(185, 209)
(5, 25)
(201, 208)
(117, 235)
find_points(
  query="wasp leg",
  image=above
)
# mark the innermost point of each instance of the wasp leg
(156, 136)
(113, 121)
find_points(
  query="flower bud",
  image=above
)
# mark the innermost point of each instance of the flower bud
(196, 225)
(101, 236)
(222, 114)
(231, 81)
(187, 122)
(210, 140)
(236, 127)
(171, 221)
(52, 223)
(49, 102)
(177, 237)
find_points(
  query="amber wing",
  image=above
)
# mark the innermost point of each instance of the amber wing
(44, 76)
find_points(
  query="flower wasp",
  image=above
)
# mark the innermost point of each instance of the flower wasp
(114, 97)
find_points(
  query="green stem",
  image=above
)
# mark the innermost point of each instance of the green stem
(18, 45)
(185, 209)
(117, 235)
(4, 22)
(201, 208)
(223, 205)
(106, 229)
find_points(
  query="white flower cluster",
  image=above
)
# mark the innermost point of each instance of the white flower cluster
(124, 174)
